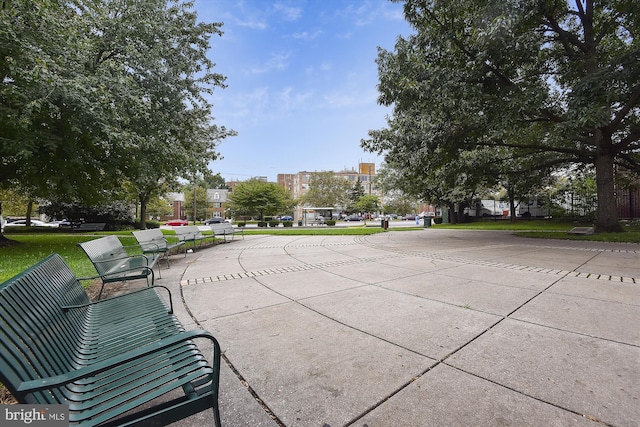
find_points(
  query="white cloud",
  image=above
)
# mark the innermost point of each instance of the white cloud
(288, 13)
(368, 12)
(305, 35)
(277, 61)
(289, 100)
(252, 23)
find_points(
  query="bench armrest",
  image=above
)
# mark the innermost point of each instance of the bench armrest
(187, 236)
(99, 367)
(152, 247)
(102, 261)
(69, 307)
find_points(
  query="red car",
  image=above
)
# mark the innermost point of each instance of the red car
(176, 222)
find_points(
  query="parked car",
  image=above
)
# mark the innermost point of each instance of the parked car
(34, 223)
(286, 218)
(353, 218)
(176, 222)
(410, 217)
(216, 220)
(62, 223)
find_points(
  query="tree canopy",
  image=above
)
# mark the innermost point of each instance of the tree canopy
(550, 83)
(259, 198)
(94, 94)
(326, 190)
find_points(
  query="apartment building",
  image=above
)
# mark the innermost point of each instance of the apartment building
(298, 183)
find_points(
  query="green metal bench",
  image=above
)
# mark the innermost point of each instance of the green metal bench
(114, 263)
(225, 229)
(90, 226)
(152, 241)
(114, 362)
(192, 233)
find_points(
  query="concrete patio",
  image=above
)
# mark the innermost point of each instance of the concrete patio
(418, 328)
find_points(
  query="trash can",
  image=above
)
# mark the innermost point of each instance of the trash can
(300, 223)
(427, 221)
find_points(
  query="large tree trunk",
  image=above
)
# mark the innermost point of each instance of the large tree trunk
(607, 213)
(143, 211)
(452, 214)
(29, 212)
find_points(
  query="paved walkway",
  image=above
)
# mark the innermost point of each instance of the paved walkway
(418, 328)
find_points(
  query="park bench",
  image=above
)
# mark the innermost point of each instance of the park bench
(90, 226)
(114, 362)
(192, 233)
(225, 229)
(114, 263)
(152, 241)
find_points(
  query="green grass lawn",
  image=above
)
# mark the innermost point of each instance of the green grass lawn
(533, 225)
(544, 229)
(31, 247)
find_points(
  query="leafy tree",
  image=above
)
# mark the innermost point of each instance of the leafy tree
(259, 198)
(159, 207)
(357, 190)
(539, 77)
(115, 214)
(576, 194)
(213, 181)
(167, 130)
(368, 204)
(97, 93)
(52, 113)
(202, 202)
(14, 203)
(326, 190)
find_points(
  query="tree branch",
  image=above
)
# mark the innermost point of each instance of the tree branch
(625, 143)
(633, 101)
(579, 154)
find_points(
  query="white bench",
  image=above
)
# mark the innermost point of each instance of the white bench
(225, 229)
(192, 233)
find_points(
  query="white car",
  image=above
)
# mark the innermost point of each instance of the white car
(34, 223)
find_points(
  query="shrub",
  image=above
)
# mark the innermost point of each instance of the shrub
(274, 223)
(287, 223)
(331, 222)
(262, 223)
(242, 224)
(116, 214)
(148, 223)
(437, 220)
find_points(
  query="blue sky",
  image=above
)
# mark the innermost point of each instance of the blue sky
(301, 79)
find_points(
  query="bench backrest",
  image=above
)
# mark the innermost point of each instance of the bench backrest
(92, 226)
(104, 252)
(37, 338)
(188, 232)
(151, 239)
(221, 228)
